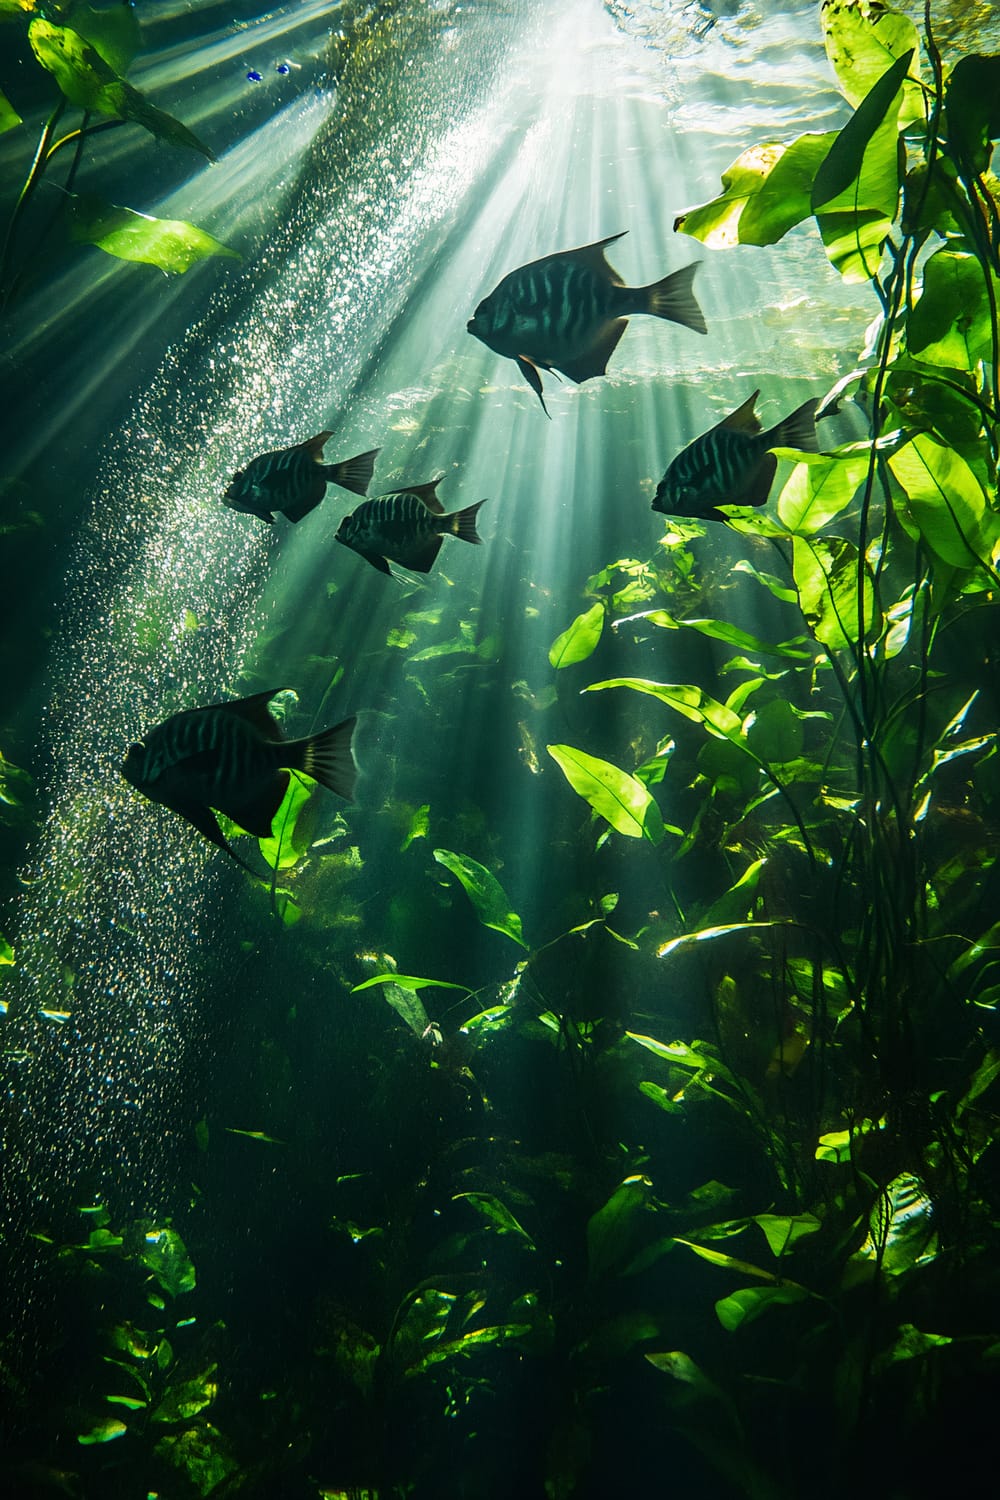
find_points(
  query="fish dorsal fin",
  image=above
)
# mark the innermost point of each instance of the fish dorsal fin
(314, 446)
(593, 256)
(744, 418)
(425, 492)
(254, 711)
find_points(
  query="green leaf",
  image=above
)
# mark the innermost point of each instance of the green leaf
(826, 576)
(131, 1403)
(709, 934)
(408, 982)
(580, 639)
(6, 951)
(721, 630)
(15, 10)
(863, 39)
(170, 244)
(768, 581)
(727, 1262)
(750, 1301)
(165, 1255)
(945, 500)
(112, 32)
(496, 1213)
(612, 1231)
(485, 892)
(9, 116)
(766, 192)
(419, 826)
(104, 1432)
(188, 1398)
(688, 699)
(950, 325)
(88, 82)
(972, 104)
(782, 1230)
(290, 840)
(621, 799)
(820, 487)
(856, 191)
(255, 1135)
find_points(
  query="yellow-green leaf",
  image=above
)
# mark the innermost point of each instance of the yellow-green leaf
(172, 245)
(579, 640)
(9, 116)
(623, 800)
(766, 192)
(945, 500)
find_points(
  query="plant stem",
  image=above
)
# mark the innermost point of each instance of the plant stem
(30, 183)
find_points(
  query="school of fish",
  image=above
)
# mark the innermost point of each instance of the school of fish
(564, 313)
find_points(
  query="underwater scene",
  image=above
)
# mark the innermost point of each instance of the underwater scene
(500, 779)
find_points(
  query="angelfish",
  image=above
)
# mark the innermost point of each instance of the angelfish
(731, 463)
(294, 480)
(232, 757)
(406, 527)
(567, 312)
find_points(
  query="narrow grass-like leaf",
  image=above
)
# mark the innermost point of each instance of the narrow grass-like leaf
(487, 895)
(623, 800)
(408, 982)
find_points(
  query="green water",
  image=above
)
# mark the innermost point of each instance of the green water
(612, 1202)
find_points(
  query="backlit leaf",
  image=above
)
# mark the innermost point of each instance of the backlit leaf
(623, 800)
(172, 245)
(187, 1399)
(722, 630)
(408, 982)
(289, 842)
(688, 699)
(972, 102)
(750, 1301)
(9, 116)
(782, 1230)
(727, 1262)
(945, 500)
(579, 640)
(165, 1254)
(485, 892)
(820, 487)
(612, 1231)
(103, 1432)
(826, 576)
(113, 32)
(496, 1213)
(766, 192)
(950, 325)
(88, 82)
(863, 39)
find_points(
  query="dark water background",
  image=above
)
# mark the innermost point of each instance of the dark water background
(158, 1006)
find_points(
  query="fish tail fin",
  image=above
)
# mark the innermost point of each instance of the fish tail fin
(353, 474)
(328, 757)
(797, 430)
(462, 523)
(673, 299)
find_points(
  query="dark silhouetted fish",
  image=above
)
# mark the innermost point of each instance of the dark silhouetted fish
(406, 527)
(567, 312)
(231, 756)
(731, 463)
(294, 480)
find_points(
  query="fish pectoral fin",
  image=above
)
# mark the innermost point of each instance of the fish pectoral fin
(420, 557)
(758, 486)
(595, 360)
(530, 372)
(314, 446)
(310, 502)
(257, 814)
(202, 818)
(744, 418)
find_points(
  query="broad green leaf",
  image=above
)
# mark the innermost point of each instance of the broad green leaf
(672, 1052)
(768, 581)
(485, 892)
(88, 82)
(9, 116)
(950, 325)
(496, 1213)
(766, 192)
(721, 630)
(856, 191)
(407, 1005)
(688, 699)
(6, 952)
(288, 844)
(782, 1230)
(255, 1135)
(419, 826)
(579, 640)
(621, 799)
(727, 1262)
(820, 487)
(104, 1432)
(113, 33)
(15, 10)
(187, 1399)
(750, 1301)
(200, 1454)
(170, 244)
(165, 1255)
(945, 500)
(863, 39)
(737, 903)
(911, 1343)
(826, 576)
(612, 1231)
(408, 982)
(972, 102)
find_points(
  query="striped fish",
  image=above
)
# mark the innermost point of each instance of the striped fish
(406, 527)
(731, 463)
(567, 312)
(231, 756)
(294, 480)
